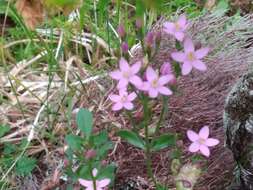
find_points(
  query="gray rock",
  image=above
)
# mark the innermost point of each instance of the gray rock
(238, 123)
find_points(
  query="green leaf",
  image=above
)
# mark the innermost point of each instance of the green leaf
(100, 138)
(107, 172)
(163, 141)
(4, 129)
(74, 142)
(25, 166)
(103, 150)
(132, 138)
(85, 121)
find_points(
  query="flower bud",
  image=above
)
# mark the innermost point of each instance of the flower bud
(138, 23)
(90, 154)
(149, 39)
(65, 163)
(124, 47)
(121, 30)
(166, 69)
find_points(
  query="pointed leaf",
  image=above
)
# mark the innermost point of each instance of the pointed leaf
(74, 142)
(132, 138)
(163, 141)
(85, 122)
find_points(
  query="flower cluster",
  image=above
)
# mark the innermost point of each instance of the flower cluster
(127, 75)
(143, 79)
(189, 57)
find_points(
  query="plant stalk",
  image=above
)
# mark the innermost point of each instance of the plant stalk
(147, 144)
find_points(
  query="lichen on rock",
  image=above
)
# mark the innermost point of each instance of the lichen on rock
(238, 123)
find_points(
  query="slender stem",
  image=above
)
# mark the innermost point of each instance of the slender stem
(163, 112)
(130, 116)
(147, 151)
(92, 177)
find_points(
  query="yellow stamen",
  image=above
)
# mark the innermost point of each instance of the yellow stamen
(177, 26)
(202, 141)
(123, 98)
(126, 74)
(191, 56)
(154, 83)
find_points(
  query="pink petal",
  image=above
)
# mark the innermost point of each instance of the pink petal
(178, 56)
(212, 142)
(128, 105)
(122, 83)
(85, 183)
(179, 36)
(188, 45)
(135, 80)
(116, 74)
(131, 96)
(201, 52)
(123, 92)
(103, 182)
(194, 147)
(204, 150)
(123, 65)
(199, 65)
(153, 93)
(135, 68)
(164, 80)
(169, 27)
(94, 172)
(204, 132)
(144, 87)
(118, 106)
(182, 20)
(151, 74)
(186, 68)
(192, 135)
(114, 97)
(92, 188)
(165, 91)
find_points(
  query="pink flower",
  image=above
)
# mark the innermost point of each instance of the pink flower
(201, 142)
(191, 58)
(100, 184)
(167, 70)
(178, 28)
(123, 100)
(127, 74)
(155, 84)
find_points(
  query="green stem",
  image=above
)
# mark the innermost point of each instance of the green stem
(147, 144)
(163, 112)
(92, 177)
(130, 116)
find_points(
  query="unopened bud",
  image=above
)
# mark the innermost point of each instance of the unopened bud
(121, 30)
(90, 154)
(124, 47)
(138, 23)
(149, 39)
(65, 163)
(166, 69)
